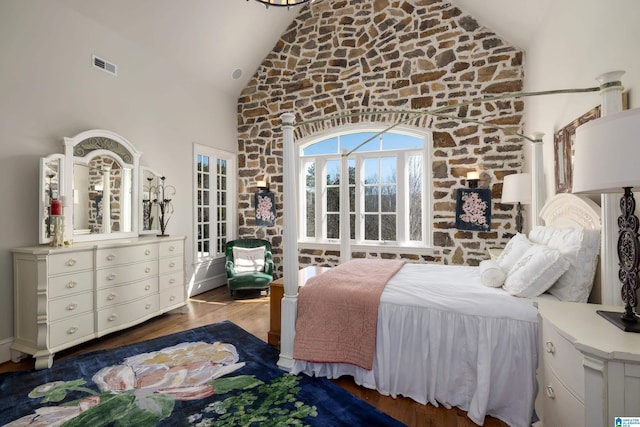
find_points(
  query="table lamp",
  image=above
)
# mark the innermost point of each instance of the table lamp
(606, 160)
(517, 189)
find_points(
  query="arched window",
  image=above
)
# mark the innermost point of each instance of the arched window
(388, 184)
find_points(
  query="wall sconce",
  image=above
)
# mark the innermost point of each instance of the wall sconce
(262, 186)
(472, 179)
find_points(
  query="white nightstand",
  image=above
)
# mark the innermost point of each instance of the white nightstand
(589, 370)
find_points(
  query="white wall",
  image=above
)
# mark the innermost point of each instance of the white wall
(579, 40)
(49, 90)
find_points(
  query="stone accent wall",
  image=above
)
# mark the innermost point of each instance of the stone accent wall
(349, 56)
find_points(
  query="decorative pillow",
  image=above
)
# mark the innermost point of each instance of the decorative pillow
(491, 274)
(513, 251)
(541, 234)
(535, 272)
(581, 248)
(248, 260)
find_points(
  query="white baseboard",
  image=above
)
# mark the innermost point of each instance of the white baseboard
(207, 284)
(5, 349)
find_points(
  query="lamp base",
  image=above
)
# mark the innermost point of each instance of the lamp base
(615, 317)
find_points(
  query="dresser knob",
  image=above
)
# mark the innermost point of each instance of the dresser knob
(147, 307)
(147, 252)
(146, 288)
(72, 284)
(72, 330)
(146, 270)
(172, 298)
(71, 262)
(172, 281)
(172, 264)
(550, 393)
(112, 276)
(112, 318)
(551, 349)
(72, 306)
(111, 257)
(112, 296)
(171, 248)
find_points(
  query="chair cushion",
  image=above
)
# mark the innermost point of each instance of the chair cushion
(248, 260)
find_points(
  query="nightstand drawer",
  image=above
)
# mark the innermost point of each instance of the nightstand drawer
(563, 358)
(560, 407)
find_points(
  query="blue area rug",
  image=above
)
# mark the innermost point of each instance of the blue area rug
(216, 375)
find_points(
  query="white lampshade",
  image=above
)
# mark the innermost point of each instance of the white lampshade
(517, 188)
(607, 154)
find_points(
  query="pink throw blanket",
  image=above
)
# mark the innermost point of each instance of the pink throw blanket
(338, 312)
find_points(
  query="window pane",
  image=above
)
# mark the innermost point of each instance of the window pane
(352, 199)
(352, 171)
(352, 226)
(396, 141)
(351, 141)
(371, 227)
(333, 199)
(328, 146)
(222, 214)
(388, 198)
(205, 231)
(388, 170)
(371, 198)
(388, 227)
(199, 162)
(311, 213)
(415, 197)
(333, 226)
(205, 198)
(333, 172)
(371, 171)
(205, 215)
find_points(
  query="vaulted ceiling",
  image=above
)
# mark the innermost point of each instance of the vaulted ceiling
(212, 39)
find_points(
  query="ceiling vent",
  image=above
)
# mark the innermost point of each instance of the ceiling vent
(105, 65)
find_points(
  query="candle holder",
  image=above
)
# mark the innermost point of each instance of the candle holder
(147, 203)
(163, 200)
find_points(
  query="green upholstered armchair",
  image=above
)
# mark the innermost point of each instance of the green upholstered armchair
(248, 267)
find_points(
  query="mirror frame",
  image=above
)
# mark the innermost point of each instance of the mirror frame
(154, 207)
(70, 159)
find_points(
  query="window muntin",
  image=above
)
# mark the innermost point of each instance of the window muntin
(388, 202)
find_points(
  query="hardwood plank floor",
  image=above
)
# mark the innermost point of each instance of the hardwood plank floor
(251, 312)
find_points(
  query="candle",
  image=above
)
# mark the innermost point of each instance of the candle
(56, 207)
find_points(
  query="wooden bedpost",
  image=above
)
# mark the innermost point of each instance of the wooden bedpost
(289, 245)
(537, 186)
(611, 92)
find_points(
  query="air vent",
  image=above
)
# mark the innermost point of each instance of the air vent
(105, 65)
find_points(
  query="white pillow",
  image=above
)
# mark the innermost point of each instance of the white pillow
(248, 260)
(581, 248)
(491, 274)
(513, 251)
(541, 234)
(535, 272)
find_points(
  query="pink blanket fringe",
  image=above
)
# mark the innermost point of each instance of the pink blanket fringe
(338, 312)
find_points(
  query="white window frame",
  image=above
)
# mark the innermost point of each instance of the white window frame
(402, 184)
(231, 198)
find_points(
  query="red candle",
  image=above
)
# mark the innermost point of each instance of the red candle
(56, 207)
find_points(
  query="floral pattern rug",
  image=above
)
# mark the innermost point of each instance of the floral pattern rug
(216, 375)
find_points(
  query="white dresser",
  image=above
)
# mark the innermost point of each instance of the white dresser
(65, 296)
(588, 369)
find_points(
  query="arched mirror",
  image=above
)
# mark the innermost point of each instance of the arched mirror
(149, 180)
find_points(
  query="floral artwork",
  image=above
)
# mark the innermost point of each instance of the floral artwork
(473, 209)
(265, 209)
(144, 388)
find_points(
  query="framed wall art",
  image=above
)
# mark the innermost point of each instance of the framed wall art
(473, 209)
(564, 146)
(265, 207)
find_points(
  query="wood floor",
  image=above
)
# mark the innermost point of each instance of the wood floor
(251, 312)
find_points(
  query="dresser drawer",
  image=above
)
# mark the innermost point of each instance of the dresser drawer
(168, 249)
(170, 280)
(172, 264)
(560, 407)
(70, 306)
(114, 276)
(60, 286)
(113, 317)
(69, 262)
(563, 358)
(171, 296)
(125, 255)
(71, 329)
(125, 293)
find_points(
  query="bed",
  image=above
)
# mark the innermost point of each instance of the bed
(455, 336)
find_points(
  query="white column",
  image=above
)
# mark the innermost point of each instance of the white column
(610, 203)
(289, 246)
(538, 190)
(345, 229)
(106, 199)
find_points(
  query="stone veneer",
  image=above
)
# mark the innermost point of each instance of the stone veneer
(344, 56)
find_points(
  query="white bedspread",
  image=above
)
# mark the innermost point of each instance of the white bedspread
(444, 338)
